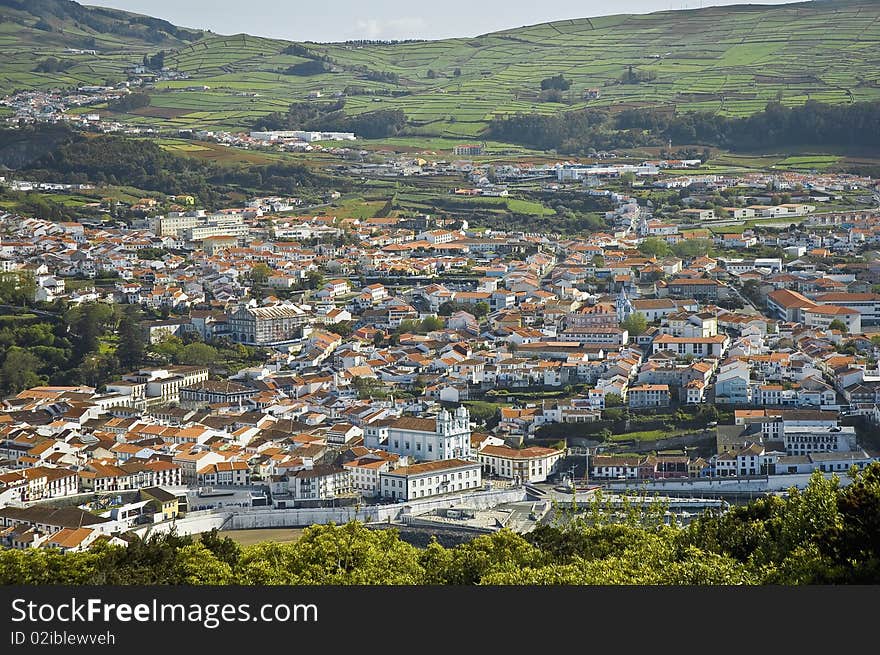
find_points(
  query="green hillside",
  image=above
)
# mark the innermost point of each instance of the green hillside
(34, 30)
(730, 60)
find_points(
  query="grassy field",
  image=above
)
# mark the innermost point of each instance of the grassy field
(216, 152)
(730, 60)
(251, 537)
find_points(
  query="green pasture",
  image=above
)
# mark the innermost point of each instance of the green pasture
(728, 60)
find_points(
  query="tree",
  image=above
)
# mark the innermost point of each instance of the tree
(456, 72)
(691, 248)
(224, 548)
(260, 273)
(86, 323)
(132, 345)
(198, 354)
(837, 324)
(19, 371)
(551, 95)
(557, 82)
(613, 400)
(431, 74)
(481, 309)
(481, 411)
(635, 324)
(169, 349)
(314, 280)
(17, 287)
(430, 324)
(654, 247)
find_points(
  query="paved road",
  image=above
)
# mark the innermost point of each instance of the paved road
(749, 305)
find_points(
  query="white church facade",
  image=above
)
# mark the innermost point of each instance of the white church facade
(446, 436)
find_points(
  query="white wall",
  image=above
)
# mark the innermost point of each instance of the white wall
(250, 518)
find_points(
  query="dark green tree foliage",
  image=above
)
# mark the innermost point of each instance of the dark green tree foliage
(19, 371)
(557, 82)
(299, 50)
(308, 68)
(53, 65)
(635, 324)
(73, 158)
(17, 288)
(129, 102)
(330, 117)
(573, 131)
(132, 343)
(155, 62)
(86, 323)
(382, 76)
(814, 123)
(631, 76)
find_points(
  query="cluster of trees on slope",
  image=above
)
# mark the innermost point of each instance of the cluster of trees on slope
(67, 348)
(91, 343)
(141, 163)
(825, 534)
(131, 101)
(32, 203)
(53, 65)
(813, 123)
(330, 117)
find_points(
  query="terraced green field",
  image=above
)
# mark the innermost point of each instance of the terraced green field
(730, 60)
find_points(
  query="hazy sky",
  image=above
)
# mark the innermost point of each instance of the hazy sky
(339, 20)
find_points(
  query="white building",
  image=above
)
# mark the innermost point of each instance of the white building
(431, 479)
(531, 464)
(444, 437)
(365, 472)
(236, 473)
(320, 483)
(800, 440)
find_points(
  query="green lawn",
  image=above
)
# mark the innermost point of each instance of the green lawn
(647, 435)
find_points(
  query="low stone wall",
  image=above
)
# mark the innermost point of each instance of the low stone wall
(259, 517)
(192, 523)
(294, 518)
(765, 484)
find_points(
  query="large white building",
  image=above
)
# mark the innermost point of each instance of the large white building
(804, 440)
(302, 135)
(267, 326)
(430, 479)
(866, 304)
(365, 471)
(446, 436)
(321, 482)
(823, 316)
(531, 464)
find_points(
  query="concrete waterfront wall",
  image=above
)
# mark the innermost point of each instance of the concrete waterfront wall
(192, 523)
(766, 484)
(261, 517)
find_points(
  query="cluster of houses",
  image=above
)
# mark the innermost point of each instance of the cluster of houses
(764, 442)
(380, 333)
